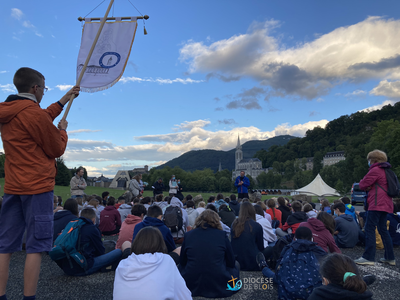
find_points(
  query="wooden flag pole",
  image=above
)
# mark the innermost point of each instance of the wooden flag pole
(78, 82)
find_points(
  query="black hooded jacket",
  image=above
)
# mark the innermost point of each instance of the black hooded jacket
(337, 292)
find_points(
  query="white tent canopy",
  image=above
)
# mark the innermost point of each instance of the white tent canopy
(318, 187)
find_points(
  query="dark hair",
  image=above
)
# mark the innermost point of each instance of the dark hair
(190, 203)
(136, 200)
(26, 78)
(271, 204)
(104, 194)
(307, 208)
(222, 206)
(233, 197)
(168, 199)
(138, 209)
(212, 207)
(88, 213)
(246, 213)
(59, 198)
(281, 201)
(346, 200)
(98, 198)
(149, 240)
(328, 221)
(259, 210)
(220, 196)
(72, 205)
(340, 206)
(159, 198)
(227, 199)
(145, 200)
(396, 205)
(336, 265)
(79, 169)
(111, 201)
(154, 211)
(210, 199)
(188, 197)
(324, 203)
(296, 206)
(121, 198)
(303, 233)
(209, 217)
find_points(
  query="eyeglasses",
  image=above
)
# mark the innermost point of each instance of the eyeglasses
(45, 89)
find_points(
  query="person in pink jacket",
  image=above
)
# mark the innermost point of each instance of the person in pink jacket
(128, 226)
(322, 229)
(379, 204)
(110, 219)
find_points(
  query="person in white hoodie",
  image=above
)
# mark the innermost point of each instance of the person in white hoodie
(192, 212)
(143, 274)
(268, 233)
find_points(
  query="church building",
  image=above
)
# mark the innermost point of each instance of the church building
(251, 166)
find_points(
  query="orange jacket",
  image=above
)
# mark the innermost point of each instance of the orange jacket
(31, 143)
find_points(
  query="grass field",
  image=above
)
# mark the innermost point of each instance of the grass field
(64, 192)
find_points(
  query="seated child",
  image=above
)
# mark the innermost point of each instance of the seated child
(92, 249)
(308, 209)
(341, 280)
(63, 217)
(154, 218)
(346, 229)
(350, 210)
(293, 221)
(148, 273)
(298, 265)
(138, 212)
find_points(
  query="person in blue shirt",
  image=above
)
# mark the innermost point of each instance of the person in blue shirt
(242, 183)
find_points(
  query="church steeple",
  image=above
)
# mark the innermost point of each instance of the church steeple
(238, 154)
(238, 143)
(220, 167)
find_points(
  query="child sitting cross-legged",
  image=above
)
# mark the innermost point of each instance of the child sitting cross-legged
(149, 273)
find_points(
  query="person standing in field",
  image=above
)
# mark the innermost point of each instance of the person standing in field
(31, 144)
(242, 183)
(78, 184)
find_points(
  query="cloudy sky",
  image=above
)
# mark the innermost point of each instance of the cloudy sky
(208, 71)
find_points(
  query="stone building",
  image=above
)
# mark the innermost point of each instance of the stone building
(121, 180)
(251, 166)
(332, 158)
(144, 170)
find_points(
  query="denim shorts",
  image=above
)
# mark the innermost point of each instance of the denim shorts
(31, 212)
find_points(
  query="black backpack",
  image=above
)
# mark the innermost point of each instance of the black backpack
(393, 184)
(173, 219)
(277, 249)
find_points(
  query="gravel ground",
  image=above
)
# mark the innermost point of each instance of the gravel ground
(54, 285)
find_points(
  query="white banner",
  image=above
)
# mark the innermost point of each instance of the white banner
(110, 56)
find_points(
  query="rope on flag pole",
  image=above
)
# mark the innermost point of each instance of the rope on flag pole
(103, 21)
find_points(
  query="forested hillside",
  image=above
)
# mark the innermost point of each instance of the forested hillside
(356, 134)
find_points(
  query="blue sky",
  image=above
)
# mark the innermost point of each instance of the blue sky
(208, 71)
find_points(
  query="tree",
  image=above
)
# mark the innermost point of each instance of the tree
(317, 163)
(63, 176)
(252, 182)
(339, 187)
(225, 184)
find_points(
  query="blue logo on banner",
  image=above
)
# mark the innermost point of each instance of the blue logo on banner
(112, 59)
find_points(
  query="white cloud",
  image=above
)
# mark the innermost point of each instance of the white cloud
(378, 106)
(74, 132)
(365, 50)
(320, 100)
(356, 93)
(390, 89)
(2, 72)
(159, 80)
(16, 13)
(160, 148)
(8, 88)
(28, 24)
(64, 87)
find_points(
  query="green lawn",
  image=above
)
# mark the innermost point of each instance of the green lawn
(64, 192)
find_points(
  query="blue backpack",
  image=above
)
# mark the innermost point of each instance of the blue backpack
(297, 275)
(65, 246)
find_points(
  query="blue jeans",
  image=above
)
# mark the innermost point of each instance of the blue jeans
(377, 219)
(103, 261)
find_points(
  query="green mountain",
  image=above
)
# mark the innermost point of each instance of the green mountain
(201, 159)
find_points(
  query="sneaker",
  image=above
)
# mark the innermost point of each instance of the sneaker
(260, 258)
(363, 261)
(386, 261)
(369, 279)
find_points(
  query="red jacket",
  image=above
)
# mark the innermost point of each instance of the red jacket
(110, 218)
(376, 175)
(31, 143)
(127, 228)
